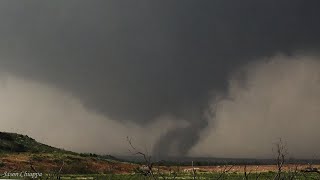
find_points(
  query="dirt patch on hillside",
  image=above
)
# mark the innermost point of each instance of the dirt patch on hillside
(69, 164)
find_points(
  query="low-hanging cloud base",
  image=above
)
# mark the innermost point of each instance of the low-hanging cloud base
(273, 98)
(57, 118)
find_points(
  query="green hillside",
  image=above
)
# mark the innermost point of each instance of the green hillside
(13, 143)
(21, 152)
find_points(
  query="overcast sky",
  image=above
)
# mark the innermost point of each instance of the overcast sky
(136, 61)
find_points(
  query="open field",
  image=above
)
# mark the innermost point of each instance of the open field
(249, 168)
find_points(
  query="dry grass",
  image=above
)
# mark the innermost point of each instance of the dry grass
(73, 164)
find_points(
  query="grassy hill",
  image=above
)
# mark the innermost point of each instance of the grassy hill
(15, 143)
(22, 153)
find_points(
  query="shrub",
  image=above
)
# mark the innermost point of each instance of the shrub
(2, 164)
(19, 148)
(6, 136)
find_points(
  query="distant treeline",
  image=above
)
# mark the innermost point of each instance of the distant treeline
(187, 161)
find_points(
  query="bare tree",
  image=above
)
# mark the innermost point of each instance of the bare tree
(147, 159)
(293, 174)
(245, 173)
(194, 173)
(57, 174)
(224, 171)
(281, 153)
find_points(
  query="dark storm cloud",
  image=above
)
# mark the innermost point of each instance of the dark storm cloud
(137, 60)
